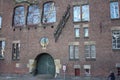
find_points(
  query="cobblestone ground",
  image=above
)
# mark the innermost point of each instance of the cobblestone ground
(31, 77)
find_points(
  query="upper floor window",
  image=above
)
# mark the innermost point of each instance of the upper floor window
(49, 13)
(0, 22)
(86, 32)
(34, 15)
(2, 49)
(73, 52)
(81, 13)
(116, 39)
(114, 10)
(16, 51)
(19, 16)
(77, 32)
(90, 52)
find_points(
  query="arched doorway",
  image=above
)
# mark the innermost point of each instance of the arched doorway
(45, 64)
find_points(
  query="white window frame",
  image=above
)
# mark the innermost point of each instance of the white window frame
(90, 52)
(81, 13)
(73, 52)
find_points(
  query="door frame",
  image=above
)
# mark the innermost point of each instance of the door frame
(37, 61)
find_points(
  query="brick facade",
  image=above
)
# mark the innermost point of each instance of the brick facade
(100, 34)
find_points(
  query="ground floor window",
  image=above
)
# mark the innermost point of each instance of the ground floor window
(15, 50)
(73, 52)
(118, 69)
(87, 70)
(2, 49)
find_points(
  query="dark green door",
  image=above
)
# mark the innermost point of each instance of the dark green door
(46, 65)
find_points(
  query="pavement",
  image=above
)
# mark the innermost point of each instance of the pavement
(31, 77)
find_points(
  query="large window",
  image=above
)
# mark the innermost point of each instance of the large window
(81, 13)
(2, 49)
(0, 22)
(73, 52)
(15, 51)
(116, 39)
(49, 13)
(19, 16)
(114, 9)
(33, 15)
(90, 52)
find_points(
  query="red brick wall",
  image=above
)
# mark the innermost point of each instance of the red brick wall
(99, 31)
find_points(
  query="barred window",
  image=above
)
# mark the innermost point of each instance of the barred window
(34, 15)
(15, 51)
(116, 39)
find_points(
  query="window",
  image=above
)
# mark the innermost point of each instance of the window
(77, 32)
(73, 52)
(85, 13)
(116, 39)
(87, 69)
(2, 49)
(81, 13)
(0, 22)
(49, 13)
(33, 15)
(86, 32)
(19, 16)
(15, 51)
(114, 9)
(90, 52)
(118, 69)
